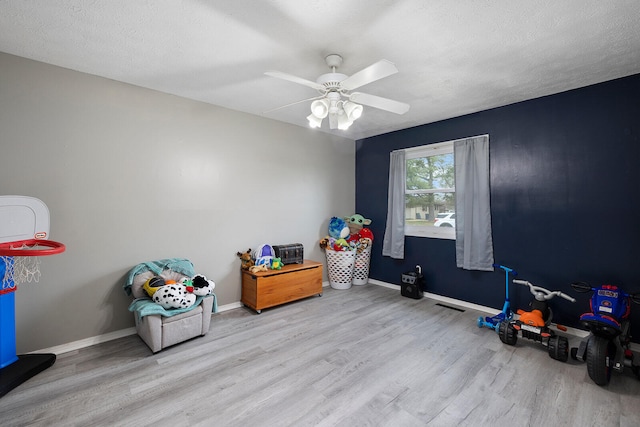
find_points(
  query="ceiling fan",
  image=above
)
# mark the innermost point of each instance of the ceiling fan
(336, 99)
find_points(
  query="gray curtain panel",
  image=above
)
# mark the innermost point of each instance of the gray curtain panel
(393, 243)
(474, 244)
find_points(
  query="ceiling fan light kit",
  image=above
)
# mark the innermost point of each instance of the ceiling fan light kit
(345, 111)
(353, 110)
(314, 122)
(344, 122)
(320, 108)
(333, 87)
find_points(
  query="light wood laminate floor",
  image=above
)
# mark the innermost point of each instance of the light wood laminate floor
(359, 357)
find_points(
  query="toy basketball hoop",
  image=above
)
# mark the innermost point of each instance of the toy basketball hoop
(21, 260)
(24, 228)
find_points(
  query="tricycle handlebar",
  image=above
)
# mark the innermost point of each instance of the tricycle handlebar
(542, 293)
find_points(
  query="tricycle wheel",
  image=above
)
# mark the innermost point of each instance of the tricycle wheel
(600, 354)
(559, 348)
(480, 322)
(507, 333)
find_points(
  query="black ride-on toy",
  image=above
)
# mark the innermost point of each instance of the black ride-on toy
(534, 324)
(606, 348)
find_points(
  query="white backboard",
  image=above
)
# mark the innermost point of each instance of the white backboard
(23, 218)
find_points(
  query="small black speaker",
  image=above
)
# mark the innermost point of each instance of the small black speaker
(411, 285)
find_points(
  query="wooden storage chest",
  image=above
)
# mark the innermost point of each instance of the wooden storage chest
(266, 289)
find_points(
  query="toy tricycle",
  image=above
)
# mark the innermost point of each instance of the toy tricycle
(534, 324)
(506, 314)
(606, 348)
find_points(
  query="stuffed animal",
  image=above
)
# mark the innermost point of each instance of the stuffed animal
(324, 242)
(203, 286)
(173, 295)
(276, 264)
(199, 285)
(188, 283)
(341, 245)
(354, 238)
(338, 228)
(245, 259)
(258, 268)
(264, 254)
(363, 244)
(152, 285)
(356, 222)
(366, 233)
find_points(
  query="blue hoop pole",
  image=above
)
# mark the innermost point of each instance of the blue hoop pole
(7, 320)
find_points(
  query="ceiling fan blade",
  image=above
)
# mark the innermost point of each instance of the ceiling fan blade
(379, 102)
(293, 103)
(377, 71)
(295, 79)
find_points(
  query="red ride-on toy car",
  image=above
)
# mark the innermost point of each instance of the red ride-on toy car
(534, 324)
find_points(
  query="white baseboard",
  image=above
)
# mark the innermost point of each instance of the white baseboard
(231, 306)
(87, 342)
(459, 303)
(579, 333)
(76, 345)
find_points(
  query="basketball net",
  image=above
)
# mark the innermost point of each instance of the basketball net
(24, 266)
(20, 269)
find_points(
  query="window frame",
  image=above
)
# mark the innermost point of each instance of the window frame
(428, 150)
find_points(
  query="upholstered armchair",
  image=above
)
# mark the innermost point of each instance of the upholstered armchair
(159, 327)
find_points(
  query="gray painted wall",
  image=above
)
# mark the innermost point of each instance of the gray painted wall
(132, 175)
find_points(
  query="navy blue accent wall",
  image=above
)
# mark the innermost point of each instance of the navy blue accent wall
(565, 198)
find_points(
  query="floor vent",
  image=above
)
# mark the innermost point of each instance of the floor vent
(451, 308)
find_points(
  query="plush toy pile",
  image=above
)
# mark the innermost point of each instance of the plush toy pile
(171, 294)
(348, 234)
(262, 259)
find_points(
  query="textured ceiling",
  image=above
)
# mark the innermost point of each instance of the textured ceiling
(454, 57)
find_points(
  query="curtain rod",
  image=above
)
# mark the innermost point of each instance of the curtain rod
(439, 142)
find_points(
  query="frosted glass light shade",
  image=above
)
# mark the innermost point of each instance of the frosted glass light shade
(344, 122)
(354, 111)
(320, 108)
(314, 121)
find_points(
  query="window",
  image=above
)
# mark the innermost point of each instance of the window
(430, 191)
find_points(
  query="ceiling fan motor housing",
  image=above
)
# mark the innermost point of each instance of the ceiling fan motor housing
(331, 81)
